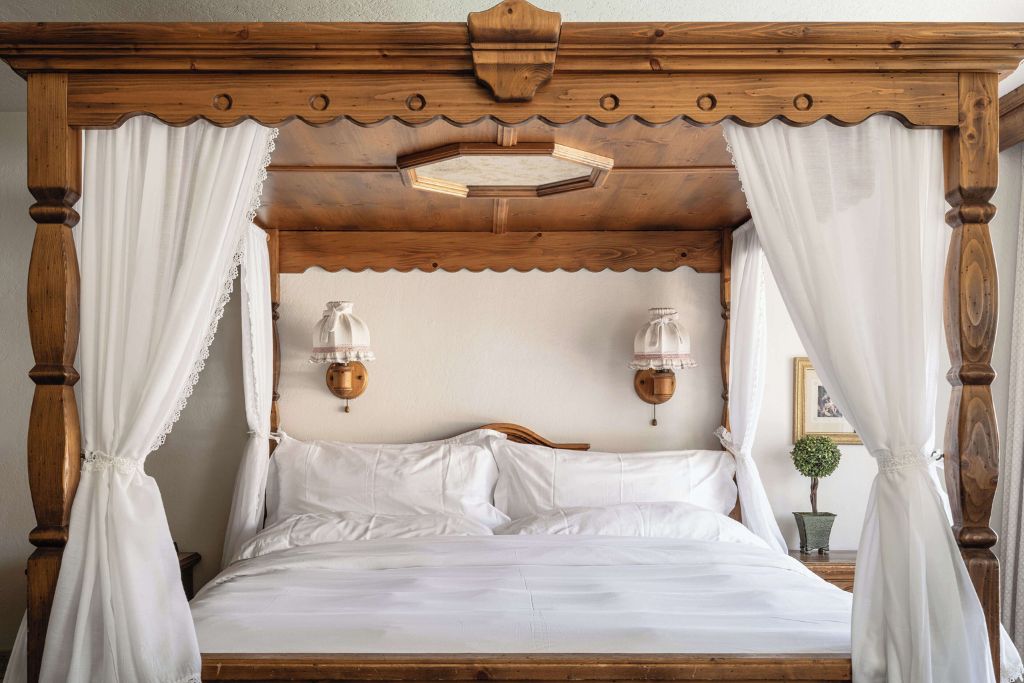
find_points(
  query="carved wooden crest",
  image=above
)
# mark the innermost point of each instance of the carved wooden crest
(514, 45)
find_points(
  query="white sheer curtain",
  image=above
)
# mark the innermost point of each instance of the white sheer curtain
(163, 213)
(747, 360)
(851, 221)
(1011, 465)
(246, 517)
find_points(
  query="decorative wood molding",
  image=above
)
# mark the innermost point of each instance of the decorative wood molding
(523, 251)
(54, 438)
(514, 45)
(520, 434)
(694, 668)
(971, 308)
(446, 47)
(414, 169)
(1011, 118)
(917, 99)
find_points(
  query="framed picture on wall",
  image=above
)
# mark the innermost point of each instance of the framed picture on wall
(814, 411)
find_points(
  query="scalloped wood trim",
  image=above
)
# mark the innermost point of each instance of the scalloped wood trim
(917, 99)
(521, 434)
(616, 250)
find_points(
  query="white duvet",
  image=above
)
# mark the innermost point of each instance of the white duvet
(522, 594)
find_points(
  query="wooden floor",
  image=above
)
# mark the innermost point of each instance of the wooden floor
(565, 667)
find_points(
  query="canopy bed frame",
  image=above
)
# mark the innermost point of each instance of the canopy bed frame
(511, 65)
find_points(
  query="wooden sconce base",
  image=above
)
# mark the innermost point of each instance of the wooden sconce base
(347, 380)
(654, 386)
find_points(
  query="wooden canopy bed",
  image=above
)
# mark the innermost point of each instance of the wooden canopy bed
(643, 93)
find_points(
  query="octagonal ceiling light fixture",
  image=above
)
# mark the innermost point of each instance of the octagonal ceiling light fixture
(526, 169)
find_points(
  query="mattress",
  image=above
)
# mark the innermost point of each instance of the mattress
(522, 594)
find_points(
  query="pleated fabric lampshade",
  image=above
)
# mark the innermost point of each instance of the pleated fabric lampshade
(662, 343)
(341, 336)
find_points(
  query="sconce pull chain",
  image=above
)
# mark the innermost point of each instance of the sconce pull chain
(654, 414)
(346, 406)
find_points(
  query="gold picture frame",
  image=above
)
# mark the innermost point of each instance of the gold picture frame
(813, 410)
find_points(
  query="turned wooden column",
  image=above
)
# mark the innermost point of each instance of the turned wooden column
(54, 178)
(971, 154)
(274, 246)
(726, 293)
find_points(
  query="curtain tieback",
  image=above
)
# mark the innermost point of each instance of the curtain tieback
(725, 437)
(96, 461)
(275, 436)
(894, 460)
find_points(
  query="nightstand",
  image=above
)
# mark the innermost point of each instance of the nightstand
(187, 561)
(836, 567)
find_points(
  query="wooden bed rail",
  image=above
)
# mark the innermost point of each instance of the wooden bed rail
(97, 75)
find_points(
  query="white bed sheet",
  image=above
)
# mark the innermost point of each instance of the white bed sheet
(522, 594)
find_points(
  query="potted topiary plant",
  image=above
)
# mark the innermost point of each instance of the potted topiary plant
(815, 456)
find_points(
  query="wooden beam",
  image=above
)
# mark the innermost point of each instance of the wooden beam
(54, 442)
(694, 668)
(919, 99)
(971, 307)
(522, 251)
(445, 47)
(1011, 118)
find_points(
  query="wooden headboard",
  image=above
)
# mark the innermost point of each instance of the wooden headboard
(520, 434)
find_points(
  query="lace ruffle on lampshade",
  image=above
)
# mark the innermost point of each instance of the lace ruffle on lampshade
(340, 337)
(662, 344)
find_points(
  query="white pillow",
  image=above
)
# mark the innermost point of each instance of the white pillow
(331, 527)
(391, 479)
(536, 479)
(648, 520)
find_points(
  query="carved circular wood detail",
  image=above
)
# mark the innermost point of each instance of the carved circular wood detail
(416, 102)
(360, 379)
(609, 102)
(707, 102)
(803, 102)
(222, 102)
(319, 102)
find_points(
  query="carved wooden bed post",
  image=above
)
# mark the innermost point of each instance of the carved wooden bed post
(274, 247)
(54, 178)
(972, 439)
(726, 294)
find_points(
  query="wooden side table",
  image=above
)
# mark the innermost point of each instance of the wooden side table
(187, 561)
(836, 567)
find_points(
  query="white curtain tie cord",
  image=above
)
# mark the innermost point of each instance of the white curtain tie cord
(274, 436)
(95, 461)
(894, 460)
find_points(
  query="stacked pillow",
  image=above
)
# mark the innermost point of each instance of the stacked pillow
(480, 483)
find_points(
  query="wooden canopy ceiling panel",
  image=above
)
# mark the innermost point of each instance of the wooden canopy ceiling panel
(629, 143)
(649, 200)
(364, 201)
(344, 177)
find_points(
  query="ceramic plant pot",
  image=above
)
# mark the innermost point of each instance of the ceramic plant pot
(815, 529)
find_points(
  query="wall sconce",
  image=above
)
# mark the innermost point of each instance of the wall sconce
(343, 340)
(661, 346)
